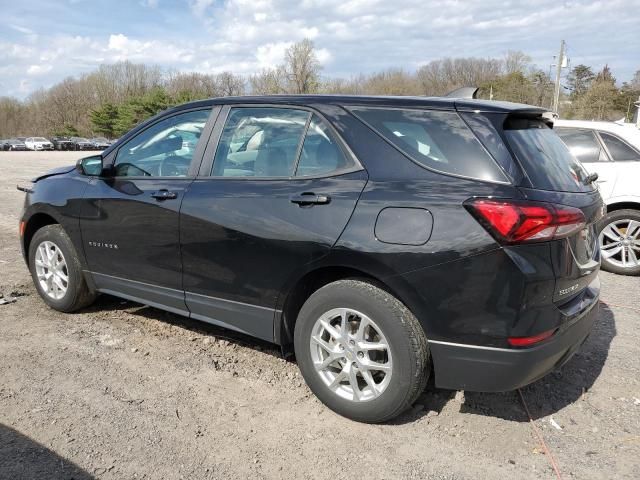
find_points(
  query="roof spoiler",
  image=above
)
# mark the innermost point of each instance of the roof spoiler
(463, 92)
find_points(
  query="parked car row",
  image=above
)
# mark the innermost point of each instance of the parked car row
(55, 143)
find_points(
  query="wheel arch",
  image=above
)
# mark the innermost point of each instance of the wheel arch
(32, 225)
(310, 282)
(630, 205)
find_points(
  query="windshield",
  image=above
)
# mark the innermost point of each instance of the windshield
(40, 139)
(545, 158)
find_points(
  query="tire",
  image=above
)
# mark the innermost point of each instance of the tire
(77, 294)
(626, 260)
(407, 356)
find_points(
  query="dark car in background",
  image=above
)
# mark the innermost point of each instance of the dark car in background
(81, 143)
(62, 143)
(100, 143)
(380, 239)
(14, 144)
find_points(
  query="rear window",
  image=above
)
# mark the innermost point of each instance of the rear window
(620, 151)
(545, 158)
(437, 140)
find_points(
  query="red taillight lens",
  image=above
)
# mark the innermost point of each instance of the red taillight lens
(528, 341)
(517, 221)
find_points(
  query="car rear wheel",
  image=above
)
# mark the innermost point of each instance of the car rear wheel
(361, 351)
(619, 237)
(56, 270)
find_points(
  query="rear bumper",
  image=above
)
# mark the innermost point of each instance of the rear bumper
(489, 369)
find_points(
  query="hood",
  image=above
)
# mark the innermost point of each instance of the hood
(55, 171)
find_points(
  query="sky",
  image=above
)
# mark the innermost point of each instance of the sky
(42, 42)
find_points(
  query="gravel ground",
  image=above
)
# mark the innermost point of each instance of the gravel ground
(126, 391)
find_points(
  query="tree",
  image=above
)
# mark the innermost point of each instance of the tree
(599, 102)
(516, 61)
(302, 67)
(67, 131)
(439, 77)
(229, 85)
(104, 119)
(140, 108)
(579, 79)
(269, 82)
(391, 82)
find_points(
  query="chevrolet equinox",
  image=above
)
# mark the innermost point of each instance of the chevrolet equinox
(382, 240)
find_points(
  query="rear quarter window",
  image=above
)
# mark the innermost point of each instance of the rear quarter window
(437, 140)
(545, 158)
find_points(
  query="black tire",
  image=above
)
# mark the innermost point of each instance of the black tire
(78, 294)
(618, 216)
(404, 334)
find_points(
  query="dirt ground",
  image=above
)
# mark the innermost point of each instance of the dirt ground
(123, 391)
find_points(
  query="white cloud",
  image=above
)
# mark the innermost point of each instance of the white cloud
(351, 36)
(38, 69)
(271, 54)
(200, 6)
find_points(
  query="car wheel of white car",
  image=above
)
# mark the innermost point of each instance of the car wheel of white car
(619, 237)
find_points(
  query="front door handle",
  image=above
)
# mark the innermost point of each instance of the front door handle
(164, 195)
(309, 198)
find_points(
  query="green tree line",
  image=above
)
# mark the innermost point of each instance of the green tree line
(114, 98)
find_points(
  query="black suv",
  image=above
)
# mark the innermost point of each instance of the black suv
(380, 239)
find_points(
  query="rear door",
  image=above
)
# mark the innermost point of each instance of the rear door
(130, 219)
(586, 146)
(626, 162)
(275, 191)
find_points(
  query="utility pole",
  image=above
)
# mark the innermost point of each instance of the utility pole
(559, 62)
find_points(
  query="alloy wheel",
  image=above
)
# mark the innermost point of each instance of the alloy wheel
(51, 270)
(620, 243)
(351, 354)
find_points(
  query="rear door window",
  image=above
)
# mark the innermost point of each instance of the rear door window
(545, 158)
(437, 140)
(260, 142)
(620, 151)
(583, 144)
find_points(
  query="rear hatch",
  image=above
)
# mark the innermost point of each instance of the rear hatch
(552, 175)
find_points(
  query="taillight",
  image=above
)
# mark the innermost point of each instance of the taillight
(519, 221)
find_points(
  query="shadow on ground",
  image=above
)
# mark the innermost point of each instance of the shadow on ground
(544, 397)
(108, 303)
(23, 458)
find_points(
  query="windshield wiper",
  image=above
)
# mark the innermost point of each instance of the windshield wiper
(590, 178)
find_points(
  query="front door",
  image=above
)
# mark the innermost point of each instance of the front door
(130, 219)
(281, 190)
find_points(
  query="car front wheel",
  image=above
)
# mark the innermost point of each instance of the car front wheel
(619, 237)
(361, 351)
(56, 270)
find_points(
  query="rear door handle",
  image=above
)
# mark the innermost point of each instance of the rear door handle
(309, 198)
(164, 195)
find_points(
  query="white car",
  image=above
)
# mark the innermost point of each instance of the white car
(38, 143)
(613, 152)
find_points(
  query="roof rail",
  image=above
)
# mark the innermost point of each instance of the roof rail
(463, 92)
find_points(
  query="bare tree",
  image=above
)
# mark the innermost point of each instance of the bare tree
(228, 84)
(302, 67)
(442, 76)
(269, 82)
(516, 61)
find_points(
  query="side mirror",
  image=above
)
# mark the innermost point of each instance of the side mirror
(90, 166)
